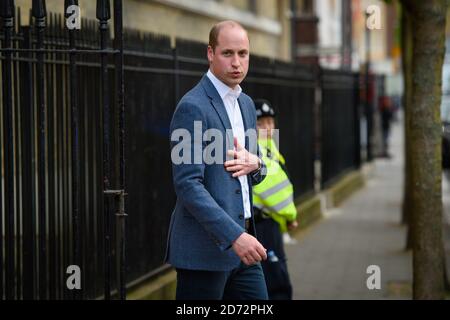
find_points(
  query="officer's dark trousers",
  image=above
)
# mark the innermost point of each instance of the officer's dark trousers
(275, 272)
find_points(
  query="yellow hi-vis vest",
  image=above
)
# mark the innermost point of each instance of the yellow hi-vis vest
(275, 194)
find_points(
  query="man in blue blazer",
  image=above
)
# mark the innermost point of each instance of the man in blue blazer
(211, 240)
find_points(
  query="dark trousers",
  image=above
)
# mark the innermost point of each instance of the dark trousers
(242, 283)
(275, 267)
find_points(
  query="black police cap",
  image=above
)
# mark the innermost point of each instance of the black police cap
(264, 109)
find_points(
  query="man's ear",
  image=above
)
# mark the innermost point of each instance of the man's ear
(210, 53)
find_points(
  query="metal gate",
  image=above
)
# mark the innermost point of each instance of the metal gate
(62, 154)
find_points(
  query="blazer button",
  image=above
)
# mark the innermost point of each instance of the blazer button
(238, 191)
(241, 216)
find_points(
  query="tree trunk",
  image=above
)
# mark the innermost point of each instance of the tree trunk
(425, 149)
(407, 50)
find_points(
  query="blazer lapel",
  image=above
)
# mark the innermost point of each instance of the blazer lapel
(218, 105)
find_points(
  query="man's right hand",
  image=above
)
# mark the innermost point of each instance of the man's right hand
(249, 249)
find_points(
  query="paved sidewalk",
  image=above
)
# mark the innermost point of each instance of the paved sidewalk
(332, 256)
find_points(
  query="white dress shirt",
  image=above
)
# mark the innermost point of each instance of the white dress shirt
(229, 97)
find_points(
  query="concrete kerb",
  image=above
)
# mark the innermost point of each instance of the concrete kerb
(343, 188)
(160, 288)
(311, 210)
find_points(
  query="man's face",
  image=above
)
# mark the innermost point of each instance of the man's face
(229, 61)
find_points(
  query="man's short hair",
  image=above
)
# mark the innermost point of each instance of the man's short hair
(215, 31)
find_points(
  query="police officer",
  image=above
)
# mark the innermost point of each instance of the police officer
(273, 201)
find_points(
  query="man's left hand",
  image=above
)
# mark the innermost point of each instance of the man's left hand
(244, 162)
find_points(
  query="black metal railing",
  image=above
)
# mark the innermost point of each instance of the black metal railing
(339, 125)
(56, 168)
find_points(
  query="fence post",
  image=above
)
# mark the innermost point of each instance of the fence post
(39, 14)
(176, 66)
(28, 180)
(120, 196)
(7, 13)
(103, 14)
(318, 123)
(368, 102)
(74, 146)
(356, 110)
